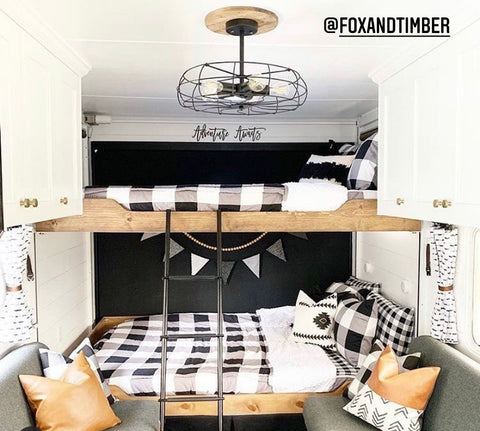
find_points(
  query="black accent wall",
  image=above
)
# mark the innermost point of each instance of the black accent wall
(129, 271)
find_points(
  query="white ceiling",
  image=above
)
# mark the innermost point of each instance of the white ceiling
(138, 50)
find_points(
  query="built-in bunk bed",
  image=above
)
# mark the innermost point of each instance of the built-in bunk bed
(128, 346)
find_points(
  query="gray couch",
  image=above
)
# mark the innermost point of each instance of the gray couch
(14, 410)
(454, 403)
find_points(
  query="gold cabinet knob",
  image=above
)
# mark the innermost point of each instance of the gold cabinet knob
(34, 202)
(64, 200)
(25, 203)
(437, 203)
(446, 204)
(400, 201)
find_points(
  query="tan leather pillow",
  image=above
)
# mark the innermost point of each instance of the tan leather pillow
(411, 389)
(74, 403)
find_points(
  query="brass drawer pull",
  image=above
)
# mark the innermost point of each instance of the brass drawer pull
(437, 203)
(400, 201)
(25, 203)
(34, 203)
(446, 204)
(64, 200)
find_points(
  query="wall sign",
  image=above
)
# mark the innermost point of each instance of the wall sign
(203, 133)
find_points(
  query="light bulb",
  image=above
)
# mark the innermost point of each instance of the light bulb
(255, 85)
(210, 88)
(281, 90)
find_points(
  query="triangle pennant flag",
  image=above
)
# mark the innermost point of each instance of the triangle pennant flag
(175, 248)
(198, 262)
(227, 268)
(253, 264)
(277, 250)
(148, 235)
(301, 235)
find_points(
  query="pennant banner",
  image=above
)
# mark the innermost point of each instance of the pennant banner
(277, 250)
(227, 268)
(198, 262)
(175, 248)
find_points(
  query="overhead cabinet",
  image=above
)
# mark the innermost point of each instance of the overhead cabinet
(40, 124)
(429, 149)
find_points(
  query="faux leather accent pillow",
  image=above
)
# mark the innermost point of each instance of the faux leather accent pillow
(411, 361)
(354, 328)
(327, 168)
(313, 322)
(396, 324)
(392, 400)
(363, 171)
(74, 403)
(54, 364)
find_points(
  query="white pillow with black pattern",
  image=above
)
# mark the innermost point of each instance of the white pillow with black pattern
(410, 361)
(326, 168)
(363, 171)
(396, 324)
(54, 365)
(313, 323)
(354, 328)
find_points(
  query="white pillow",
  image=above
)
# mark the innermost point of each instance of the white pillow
(313, 322)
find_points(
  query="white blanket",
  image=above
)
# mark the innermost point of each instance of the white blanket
(296, 367)
(314, 196)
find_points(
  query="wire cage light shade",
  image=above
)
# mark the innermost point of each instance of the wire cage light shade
(241, 87)
(262, 88)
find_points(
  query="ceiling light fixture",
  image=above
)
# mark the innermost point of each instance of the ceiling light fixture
(241, 87)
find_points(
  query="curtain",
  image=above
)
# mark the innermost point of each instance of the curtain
(16, 319)
(444, 242)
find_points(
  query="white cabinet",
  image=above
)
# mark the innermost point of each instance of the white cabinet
(40, 124)
(429, 143)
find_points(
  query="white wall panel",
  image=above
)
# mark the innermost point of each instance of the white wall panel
(64, 288)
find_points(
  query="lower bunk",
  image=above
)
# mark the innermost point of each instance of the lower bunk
(264, 373)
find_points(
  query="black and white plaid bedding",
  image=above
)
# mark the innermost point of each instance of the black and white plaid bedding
(199, 197)
(130, 355)
(345, 370)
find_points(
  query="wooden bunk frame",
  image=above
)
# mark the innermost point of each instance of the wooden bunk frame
(234, 404)
(106, 215)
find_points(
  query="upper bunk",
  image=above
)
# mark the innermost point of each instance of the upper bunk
(267, 197)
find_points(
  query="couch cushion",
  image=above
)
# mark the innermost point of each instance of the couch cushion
(137, 415)
(325, 413)
(15, 412)
(454, 402)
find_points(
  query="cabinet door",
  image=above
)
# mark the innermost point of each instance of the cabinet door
(67, 142)
(396, 134)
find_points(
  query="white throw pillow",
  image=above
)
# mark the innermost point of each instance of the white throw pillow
(313, 322)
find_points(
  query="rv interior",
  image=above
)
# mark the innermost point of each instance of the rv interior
(253, 215)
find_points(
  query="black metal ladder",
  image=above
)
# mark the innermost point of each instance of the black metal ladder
(218, 335)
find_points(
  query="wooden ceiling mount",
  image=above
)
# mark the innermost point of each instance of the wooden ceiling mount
(217, 20)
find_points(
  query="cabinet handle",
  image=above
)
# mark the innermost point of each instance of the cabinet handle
(400, 201)
(437, 203)
(34, 202)
(25, 203)
(446, 204)
(64, 200)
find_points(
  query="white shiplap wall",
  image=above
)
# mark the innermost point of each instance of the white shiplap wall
(64, 288)
(390, 258)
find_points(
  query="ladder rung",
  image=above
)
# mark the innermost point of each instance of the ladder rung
(192, 398)
(194, 335)
(192, 277)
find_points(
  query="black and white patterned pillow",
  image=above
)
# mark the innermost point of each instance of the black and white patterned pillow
(343, 290)
(327, 168)
(354, 328)
(382, 413)
(363, 171)
(363, 286)
(54, 365)
(396, 324)
(410, 361)
(313, 323)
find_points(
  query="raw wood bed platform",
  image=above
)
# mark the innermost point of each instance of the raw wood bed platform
(106, 215)
(234, 404)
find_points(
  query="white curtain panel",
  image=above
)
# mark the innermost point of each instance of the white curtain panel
(444, 244)
(16, 319)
